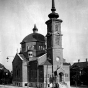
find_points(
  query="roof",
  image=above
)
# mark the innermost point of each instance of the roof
(42, 60)
(6, 70)
(66, 63)
(46, 63)
(24, 55)
(34, 37)
(60, 70)
(1, 66)
(21, 56)
(80, 64)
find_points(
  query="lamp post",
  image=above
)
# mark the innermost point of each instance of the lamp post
(8, 57)
(10, 72)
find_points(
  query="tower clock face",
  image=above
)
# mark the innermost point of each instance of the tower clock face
(57, 59)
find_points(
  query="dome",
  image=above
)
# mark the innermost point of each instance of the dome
(34, 36)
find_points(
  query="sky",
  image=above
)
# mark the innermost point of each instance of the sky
(17, 19)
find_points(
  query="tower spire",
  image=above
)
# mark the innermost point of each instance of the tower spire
(53, 6)
(53, 9)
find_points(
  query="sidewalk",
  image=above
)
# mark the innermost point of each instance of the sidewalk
(10, 86)
(80, 87)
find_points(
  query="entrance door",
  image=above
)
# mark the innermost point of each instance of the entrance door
(61, 75)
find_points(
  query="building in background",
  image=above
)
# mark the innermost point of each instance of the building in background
(79, 73)
(5, 75)
(40, 62)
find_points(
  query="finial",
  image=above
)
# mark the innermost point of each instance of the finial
(35, 29)
(34, 25)
(53, 6)
(53, 9)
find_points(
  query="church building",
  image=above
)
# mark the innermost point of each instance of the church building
(40, 62)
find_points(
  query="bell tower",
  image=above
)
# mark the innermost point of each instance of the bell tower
(54, 39)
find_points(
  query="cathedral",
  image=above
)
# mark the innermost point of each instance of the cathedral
(40, 62)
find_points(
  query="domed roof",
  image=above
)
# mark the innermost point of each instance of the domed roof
(34, 36)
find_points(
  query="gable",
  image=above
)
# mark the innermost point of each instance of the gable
(17, 60)
(60, 70)
(46, 62)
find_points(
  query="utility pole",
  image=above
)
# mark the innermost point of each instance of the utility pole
(8, 57)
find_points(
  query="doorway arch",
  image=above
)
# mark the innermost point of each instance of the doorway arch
(61, 77)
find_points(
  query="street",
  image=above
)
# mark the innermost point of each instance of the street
(9, 86)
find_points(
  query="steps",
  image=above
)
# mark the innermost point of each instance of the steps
(63, 85)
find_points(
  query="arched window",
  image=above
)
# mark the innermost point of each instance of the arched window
(61, 76)
(41, 48)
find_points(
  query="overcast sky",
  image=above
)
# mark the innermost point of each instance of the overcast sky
(17, 19)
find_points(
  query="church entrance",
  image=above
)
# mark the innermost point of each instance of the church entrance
(61, 77)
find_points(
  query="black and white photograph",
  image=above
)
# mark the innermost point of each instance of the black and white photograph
(43, 44)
